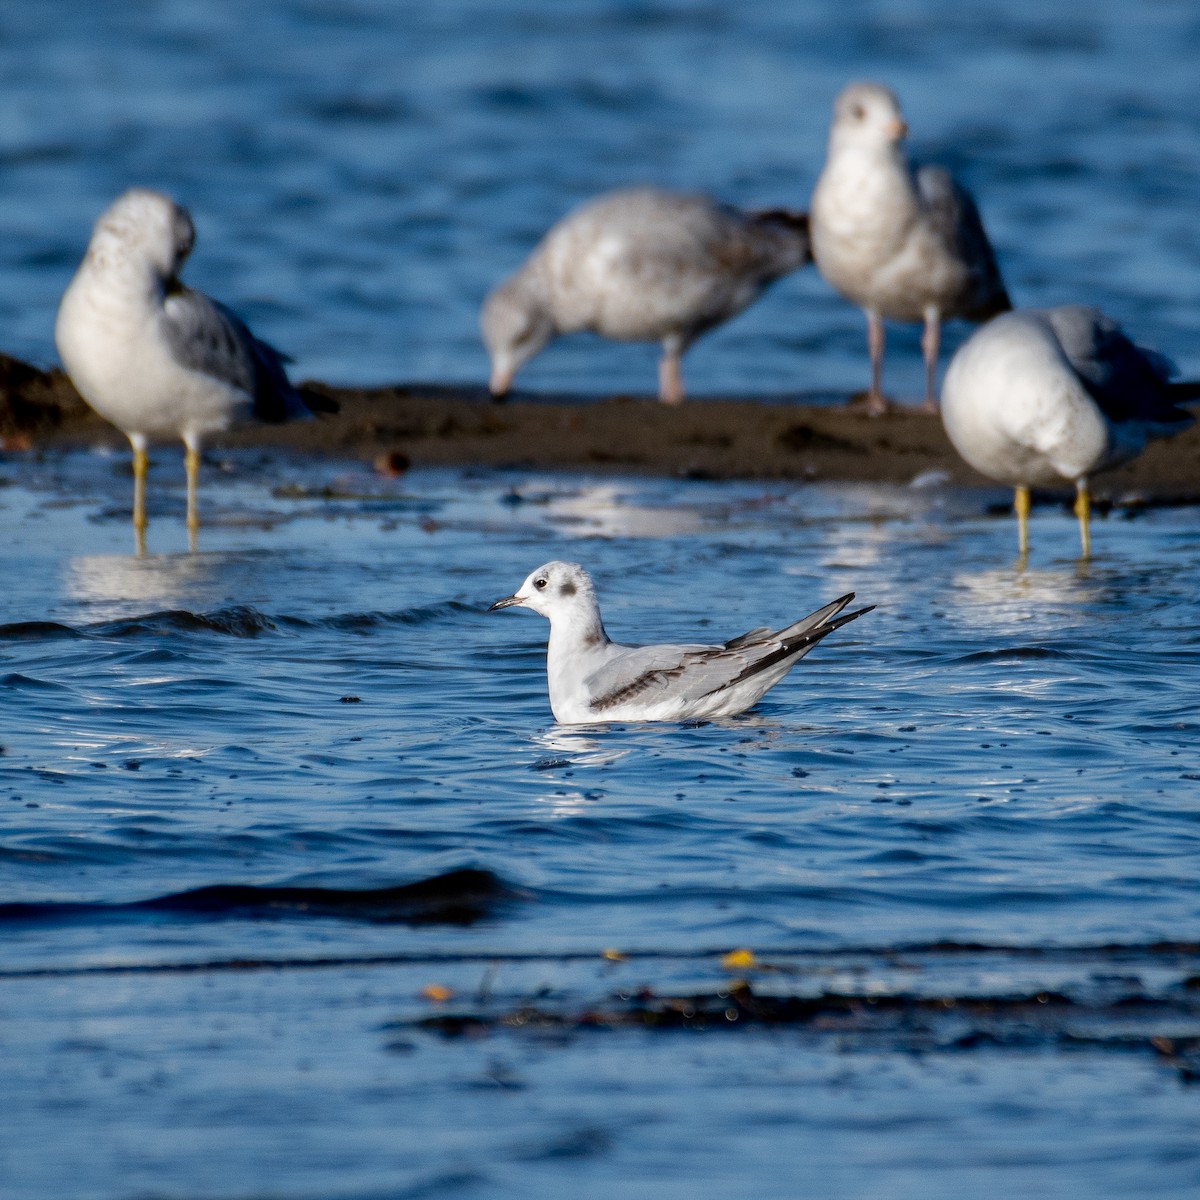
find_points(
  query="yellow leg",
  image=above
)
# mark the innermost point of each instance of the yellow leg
(1083, 511)
(1021, 508)
(140, 464)
(191, 464)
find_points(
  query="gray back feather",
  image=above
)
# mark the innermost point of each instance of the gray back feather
(207, 337)
(953, 213)
(1128, 382)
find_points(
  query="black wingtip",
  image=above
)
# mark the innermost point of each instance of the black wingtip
(318, 401)
(1183, 389)
(846, 618)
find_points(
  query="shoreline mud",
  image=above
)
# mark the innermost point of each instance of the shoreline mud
(800, 436)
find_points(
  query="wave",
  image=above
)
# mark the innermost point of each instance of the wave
(459, 897)
(238, 620)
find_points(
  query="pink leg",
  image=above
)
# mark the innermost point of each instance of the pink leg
(930, 345)
(670, 379)
(877, 403)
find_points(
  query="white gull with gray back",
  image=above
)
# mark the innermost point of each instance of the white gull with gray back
(151, 355)
(903, 245)
(1041, 397)
(593, 679)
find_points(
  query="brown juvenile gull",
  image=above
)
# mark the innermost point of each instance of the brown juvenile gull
(640, 265)
(904, 245)
(152, 356)
(1044, 396)
(592, 678)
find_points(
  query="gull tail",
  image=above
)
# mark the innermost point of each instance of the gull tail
(1180, 391)
(821, 617)
(797, 640)
(788, 236)
(317, 400)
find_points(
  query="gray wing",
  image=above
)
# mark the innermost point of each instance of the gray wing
(1128, 382)
(952, 212)
(652, 672)
(689, 673)
(207, 337)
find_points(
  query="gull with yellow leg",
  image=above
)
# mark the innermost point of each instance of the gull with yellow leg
(157, 359)
(1039, 397)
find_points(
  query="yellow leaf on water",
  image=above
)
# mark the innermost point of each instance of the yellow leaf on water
(612, 955)
(436, 992)
(739, 958)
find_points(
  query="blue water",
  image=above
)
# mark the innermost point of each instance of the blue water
(222, 774)
(319, 701)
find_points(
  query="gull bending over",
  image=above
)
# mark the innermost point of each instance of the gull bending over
(593, 679)
(152, 356)
(1042, 396)
(640, 265)
(903, 245)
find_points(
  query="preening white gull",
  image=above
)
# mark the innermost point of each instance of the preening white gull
(156, 358)
(641, 265)
(1039, 397)
(903, 245)
(594, 679)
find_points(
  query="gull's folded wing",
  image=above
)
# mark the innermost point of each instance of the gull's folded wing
(951, 210)
(647, 673)
(688, 673)
(1128, 382)
(206, 336)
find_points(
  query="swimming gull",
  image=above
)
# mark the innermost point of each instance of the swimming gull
(593, 679)
(640, 265)
(1041, 396)
(156, 358)
(903, 245)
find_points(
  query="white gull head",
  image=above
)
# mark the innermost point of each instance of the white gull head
(561, 591)
(866, 116)
(516, 325)
(143, 230)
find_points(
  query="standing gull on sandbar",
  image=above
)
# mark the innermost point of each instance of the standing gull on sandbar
(156, 358)
(594, 679)
(903, 245)
(640, 265)
(1039, 397)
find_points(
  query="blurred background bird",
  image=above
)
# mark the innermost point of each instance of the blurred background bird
(156, 358)
(1039, 397)
(640, 265)
(903, 244)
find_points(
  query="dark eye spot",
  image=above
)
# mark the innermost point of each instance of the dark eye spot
(857, 111)
(567, 589)
(539, 584)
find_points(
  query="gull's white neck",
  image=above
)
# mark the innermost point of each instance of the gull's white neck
(577, 646)
(124, 271)
(862, 173)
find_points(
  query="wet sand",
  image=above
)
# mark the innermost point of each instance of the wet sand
(806, 436)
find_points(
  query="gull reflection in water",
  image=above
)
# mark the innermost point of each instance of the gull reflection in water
(1015, 597)
(582, 748)
(605, 510)
(563, 748)
(118, 585)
